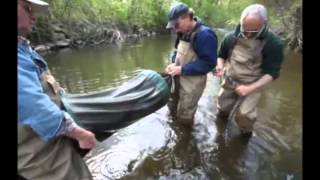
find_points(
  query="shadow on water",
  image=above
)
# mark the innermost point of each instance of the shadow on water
(156, 148)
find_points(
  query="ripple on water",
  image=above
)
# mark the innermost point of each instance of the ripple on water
(124, 151)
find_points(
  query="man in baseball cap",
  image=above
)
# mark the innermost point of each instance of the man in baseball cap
(195, 55)
(176, 10)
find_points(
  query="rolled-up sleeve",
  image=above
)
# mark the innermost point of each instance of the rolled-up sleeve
(35, 108)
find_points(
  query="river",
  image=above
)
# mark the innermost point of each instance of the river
(274, 152)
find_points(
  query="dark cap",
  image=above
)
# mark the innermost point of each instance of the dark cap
(176, 10)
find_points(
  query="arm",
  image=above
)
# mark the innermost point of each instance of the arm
(223, 54)
(219, 68)
(244, 90)
(271, 65)
(35, 109)
(272, 56)
(205, 46)
(70, 129)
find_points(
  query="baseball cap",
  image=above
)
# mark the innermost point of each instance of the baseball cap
(176, 10)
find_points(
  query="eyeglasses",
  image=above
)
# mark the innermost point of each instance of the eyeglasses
(249, 34)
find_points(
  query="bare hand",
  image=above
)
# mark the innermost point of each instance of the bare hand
(173, 70)
(244, 90)
(168, 68)
(86, 139)
(219, 71)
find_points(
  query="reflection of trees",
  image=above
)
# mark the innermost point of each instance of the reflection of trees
(91, 69)
(280, 110)
(81, 72)
(155, 53)
(147, 55)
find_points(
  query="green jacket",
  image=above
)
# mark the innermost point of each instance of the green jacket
(272, 51)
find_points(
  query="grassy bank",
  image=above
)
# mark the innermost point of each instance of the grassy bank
(80, 21)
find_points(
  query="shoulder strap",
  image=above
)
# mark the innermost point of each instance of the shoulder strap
(194, 33)
(39, 61)
(234, 41)
(179, 35)
(190, 37)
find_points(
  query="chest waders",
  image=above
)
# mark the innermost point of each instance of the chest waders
(243, 67)
(187, 89)
(56, 159)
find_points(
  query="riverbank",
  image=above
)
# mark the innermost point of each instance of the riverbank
(82, 23)
(60, 36)
(49, 37)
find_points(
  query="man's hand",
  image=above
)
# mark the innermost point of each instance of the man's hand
(219, 68)
(86, 139)
(173, 70)
(244, 90)
(219, 71)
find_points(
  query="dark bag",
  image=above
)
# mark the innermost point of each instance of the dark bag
(119, 107)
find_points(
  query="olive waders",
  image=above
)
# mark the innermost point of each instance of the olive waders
(56, 159)
(187, 90)
(243, 67)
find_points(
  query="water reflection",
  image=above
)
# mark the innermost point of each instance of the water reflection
(93, 69)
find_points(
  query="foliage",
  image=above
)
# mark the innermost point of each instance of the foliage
(153, 13)
(144, 13)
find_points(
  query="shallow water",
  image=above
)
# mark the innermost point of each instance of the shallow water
(156, 148)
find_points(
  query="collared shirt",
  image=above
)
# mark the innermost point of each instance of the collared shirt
(35, 108)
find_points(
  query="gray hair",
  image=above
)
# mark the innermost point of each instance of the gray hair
(255, 9)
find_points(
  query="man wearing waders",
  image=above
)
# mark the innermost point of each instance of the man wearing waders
(250, 58)
(195, 55)
(45, 149)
